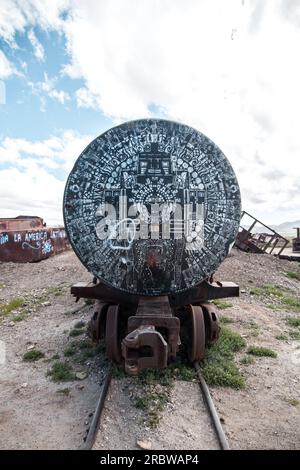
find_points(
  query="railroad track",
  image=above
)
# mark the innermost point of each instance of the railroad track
(92, 431)
(211, 409)
(215, 420)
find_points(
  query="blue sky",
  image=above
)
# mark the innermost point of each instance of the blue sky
(26, 105)
(72, 69)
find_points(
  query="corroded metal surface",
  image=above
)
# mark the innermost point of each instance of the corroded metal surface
(259, 237)
(196, 332)
(144, 348)
(212, 327)
(112, 339)
(97, 324)
(152, 207)
(31, 242)
(153, 335)
(22, 222)
(296, 241)
(196, 295)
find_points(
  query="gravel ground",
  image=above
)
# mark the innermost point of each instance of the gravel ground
(36, 414)
(266, 414)
(181, 427)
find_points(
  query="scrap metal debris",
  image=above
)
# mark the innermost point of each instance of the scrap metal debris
(27, 239)
(259, 240)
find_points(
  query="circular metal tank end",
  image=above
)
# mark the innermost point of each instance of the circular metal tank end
(152, 207)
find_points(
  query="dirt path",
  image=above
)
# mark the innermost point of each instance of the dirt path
(266, 414)
(262, 415)
(37, 413)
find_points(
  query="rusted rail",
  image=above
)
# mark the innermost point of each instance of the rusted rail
(211, 409)
(91, 435)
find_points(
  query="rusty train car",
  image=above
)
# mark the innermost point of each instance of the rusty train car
(26, 239)
(151, 208)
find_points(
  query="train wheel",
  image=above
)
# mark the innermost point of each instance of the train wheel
(97, 323)
(211, 320)
(112, 340)
(196, 346)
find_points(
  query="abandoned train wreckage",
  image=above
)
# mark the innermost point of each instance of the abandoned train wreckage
(28, 239)
(151, 208)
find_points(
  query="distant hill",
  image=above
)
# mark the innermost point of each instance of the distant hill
(286, 228)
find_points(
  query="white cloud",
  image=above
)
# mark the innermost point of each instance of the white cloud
(27, 184)
(59, 95)
(24, 65)
(6, 68)
(85, 99)
(31, 191)
(58, 151)
(230, 69)
(47, 88)
(43, 103)
(38, 48)
(18, 15)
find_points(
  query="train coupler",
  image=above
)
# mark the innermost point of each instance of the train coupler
(153, 335)
(144, 348)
